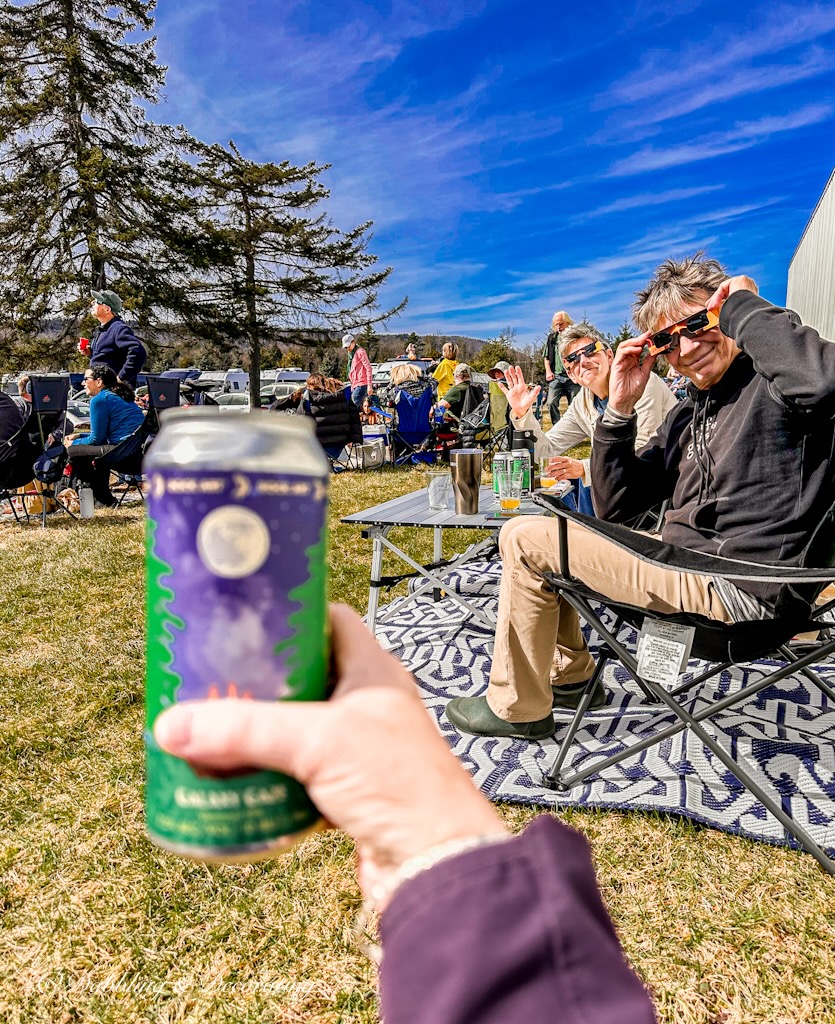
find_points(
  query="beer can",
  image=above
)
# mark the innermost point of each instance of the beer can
(509, 457)
(500, 458)
(236, 607)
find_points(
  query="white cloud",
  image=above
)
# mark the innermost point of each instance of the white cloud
(743, 135)
(638, 202)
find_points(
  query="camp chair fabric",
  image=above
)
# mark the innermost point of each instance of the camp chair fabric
(722, 644)
(412, 429)
(50, 394)
(163, 393)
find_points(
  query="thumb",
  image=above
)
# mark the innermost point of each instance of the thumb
(227, 734)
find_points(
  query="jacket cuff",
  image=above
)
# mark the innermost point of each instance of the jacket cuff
(613, 428)
(737, 308)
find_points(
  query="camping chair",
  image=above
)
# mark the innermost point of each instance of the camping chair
(412, 432)
(722, 644)
(499, 437)
(163, 393)
(50, 394)
(17, 454)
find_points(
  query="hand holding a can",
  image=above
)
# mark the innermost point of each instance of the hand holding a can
(370, 757)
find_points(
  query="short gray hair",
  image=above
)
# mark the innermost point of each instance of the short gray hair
(577, 331)
(675, 284)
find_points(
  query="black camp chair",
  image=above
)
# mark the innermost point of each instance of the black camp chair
(125, 458)
(50, 393)
(163, 393)
(722, 644)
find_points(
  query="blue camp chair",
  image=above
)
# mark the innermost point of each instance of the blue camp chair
(412, 434)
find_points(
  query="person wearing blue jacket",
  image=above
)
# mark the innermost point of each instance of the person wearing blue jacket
(113, 417)
(114, 344)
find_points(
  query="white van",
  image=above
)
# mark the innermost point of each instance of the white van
(235, 380)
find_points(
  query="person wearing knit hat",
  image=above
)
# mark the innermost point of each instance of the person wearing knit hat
(114, 344)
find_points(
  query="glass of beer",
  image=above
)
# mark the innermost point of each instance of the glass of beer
(509, 476)
(546, 477)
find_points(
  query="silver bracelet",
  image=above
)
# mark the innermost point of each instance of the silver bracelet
(409, 869)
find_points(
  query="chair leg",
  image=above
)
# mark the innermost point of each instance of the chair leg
(825, 688)
(789, 824)
(552, 778)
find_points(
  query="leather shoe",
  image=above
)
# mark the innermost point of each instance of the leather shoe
(568, 697)
(473, 715)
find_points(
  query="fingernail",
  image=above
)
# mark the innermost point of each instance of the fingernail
(172, 730)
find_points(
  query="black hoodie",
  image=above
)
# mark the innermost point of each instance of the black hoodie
(748, 463)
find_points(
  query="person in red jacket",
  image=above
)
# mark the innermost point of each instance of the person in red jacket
(360, 373)
(478, 926)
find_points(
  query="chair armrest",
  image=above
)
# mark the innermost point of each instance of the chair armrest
(669, 556)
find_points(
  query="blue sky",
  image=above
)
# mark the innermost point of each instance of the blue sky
(526, 156)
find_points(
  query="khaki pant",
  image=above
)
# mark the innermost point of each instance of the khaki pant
(532, 619)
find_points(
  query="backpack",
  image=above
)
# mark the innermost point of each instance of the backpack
(474, 397)
(49, 465)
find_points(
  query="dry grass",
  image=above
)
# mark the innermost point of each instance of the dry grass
(100, 926)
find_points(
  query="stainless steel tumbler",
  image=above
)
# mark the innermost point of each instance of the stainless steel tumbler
(465, 464)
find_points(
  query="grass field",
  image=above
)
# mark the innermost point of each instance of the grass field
(99, 925)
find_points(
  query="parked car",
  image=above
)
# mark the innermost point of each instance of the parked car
(281, 390)
(236, 401)
(382, 371)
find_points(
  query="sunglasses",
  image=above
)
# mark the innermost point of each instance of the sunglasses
(588, 351)
(669, 339)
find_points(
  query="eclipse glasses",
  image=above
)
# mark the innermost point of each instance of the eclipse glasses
(669, 339)
(587, 351)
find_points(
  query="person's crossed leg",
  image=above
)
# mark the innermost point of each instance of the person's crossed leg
(540, 659)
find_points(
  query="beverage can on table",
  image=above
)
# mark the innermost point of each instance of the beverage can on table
(236, 608)
(501, 458)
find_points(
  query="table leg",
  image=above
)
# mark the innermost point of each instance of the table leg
(376, 535)
(437, 555)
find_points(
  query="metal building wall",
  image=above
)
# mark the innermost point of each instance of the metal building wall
(811, 287)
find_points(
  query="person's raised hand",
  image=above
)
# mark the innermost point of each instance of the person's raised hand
(728, 287)
(371, 758)
(630, 372)
(519, 397)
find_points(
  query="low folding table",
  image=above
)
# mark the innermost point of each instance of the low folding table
(413, 510)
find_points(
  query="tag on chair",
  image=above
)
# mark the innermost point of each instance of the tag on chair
(663, 650)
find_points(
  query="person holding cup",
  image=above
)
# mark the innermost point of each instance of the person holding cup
(587, 357)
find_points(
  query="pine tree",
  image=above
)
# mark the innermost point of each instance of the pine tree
(278, 263)
(86, 199)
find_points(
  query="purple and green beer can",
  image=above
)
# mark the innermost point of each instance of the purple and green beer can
(236, 609)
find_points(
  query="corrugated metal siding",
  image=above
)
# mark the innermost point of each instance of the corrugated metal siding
(811, 287)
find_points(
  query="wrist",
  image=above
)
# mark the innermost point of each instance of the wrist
(397, 846)
(623, 409)
(382, 892)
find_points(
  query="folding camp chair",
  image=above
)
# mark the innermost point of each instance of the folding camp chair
(722, 644)
(163, 393)
(412, 432)
(50, 394)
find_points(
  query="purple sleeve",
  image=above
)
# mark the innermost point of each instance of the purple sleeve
(512, 932)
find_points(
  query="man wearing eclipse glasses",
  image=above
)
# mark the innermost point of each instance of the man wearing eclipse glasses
(746, 462)
(587, 358)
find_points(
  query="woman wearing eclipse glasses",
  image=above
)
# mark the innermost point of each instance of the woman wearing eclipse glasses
(587, 358)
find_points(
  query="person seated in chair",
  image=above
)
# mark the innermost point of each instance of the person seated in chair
(18, 450)
(746, 462)
(587, 358)
(324, 399)
(462, 397)
(114, 416)
(404, 378)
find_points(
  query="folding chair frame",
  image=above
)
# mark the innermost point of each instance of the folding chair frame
(576, 594)
(40, 395)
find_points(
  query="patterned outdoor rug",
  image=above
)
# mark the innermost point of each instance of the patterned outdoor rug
(786, 732)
